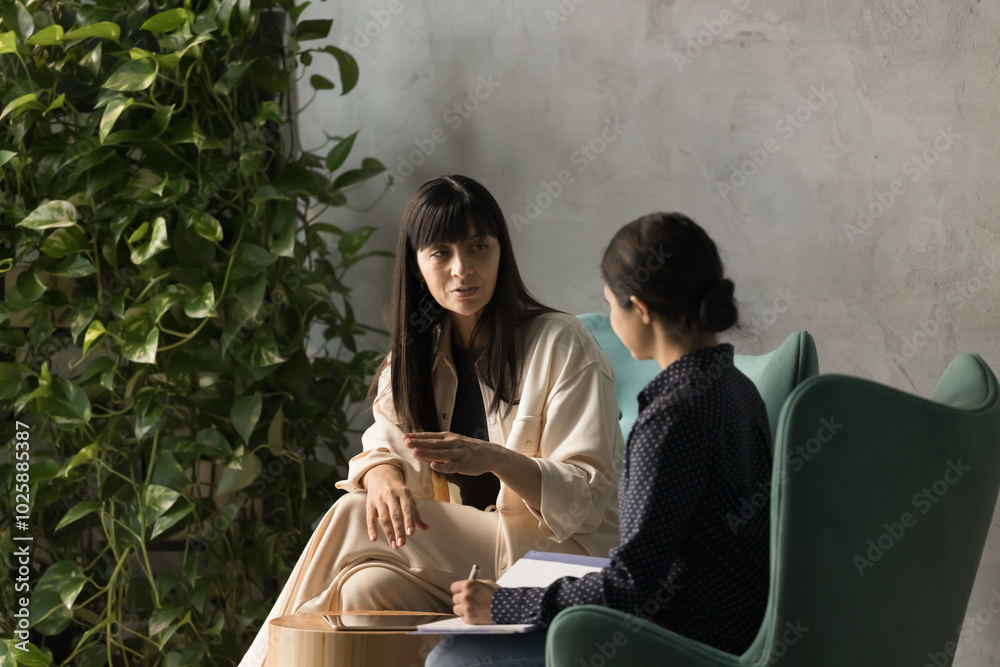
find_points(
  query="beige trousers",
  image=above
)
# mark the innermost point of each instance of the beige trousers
(341, 569)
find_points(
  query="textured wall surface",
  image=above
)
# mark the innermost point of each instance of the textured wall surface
(844, 156)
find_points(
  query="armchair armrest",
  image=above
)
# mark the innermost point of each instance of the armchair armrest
(593, 635)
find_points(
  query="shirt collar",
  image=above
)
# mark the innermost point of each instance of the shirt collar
(700, 363)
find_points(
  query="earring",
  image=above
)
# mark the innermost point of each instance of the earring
(424, 306)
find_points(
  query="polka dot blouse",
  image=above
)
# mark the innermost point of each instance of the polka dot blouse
(695, 512)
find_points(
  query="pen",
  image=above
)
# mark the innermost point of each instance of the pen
(474, 572)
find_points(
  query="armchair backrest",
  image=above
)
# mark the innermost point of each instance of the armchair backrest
(881, 504)
(774, 374)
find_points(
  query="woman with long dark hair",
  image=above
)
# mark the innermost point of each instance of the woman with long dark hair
(700, 446)
(496, 428)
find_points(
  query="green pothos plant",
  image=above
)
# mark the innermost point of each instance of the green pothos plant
(178, 366)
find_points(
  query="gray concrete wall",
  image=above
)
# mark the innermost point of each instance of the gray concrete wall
(843, 156)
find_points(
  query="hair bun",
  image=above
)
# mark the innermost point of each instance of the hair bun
(717, 311)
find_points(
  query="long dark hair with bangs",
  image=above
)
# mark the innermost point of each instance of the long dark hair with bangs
(440, 211)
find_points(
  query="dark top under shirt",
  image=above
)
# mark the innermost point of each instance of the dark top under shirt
(688, 560)
(469, 419)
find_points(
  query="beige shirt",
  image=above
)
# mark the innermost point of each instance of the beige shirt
(566, 420)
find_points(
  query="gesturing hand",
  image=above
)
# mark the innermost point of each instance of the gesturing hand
(452, 453)
(391, 505)
(471, 599)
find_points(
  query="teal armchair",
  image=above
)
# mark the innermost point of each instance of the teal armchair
(774, 374)
(881, 504)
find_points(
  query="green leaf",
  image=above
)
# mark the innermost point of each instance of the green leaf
(169, 473)
(33, 657)
(77, 512)
(156, 500)
(5, 157)
(17, 17)
(112, 111)
(65, 241)
(56, 103)
(133, 75)
(234, 479)
(68, 404)
(170, 519)
(54, 213)
(203, 306)
(140, 233)
(339, 153)
(283, 222)
(251, 162)
(227, 82)
(74, 266)
(269, 112)
(264, 349)
(319, 82)
(348, 68)
(22, 104)
(10, 381)
(30, 287)
(65, 578)
(174, 628)
(315, 29)
(275, 440)
(266, 193)
(53, 614)
(82, 457)
(161, 618)
(207, 226)
(245, 414)
(212, 443)
(355, 176)
(8, 42)
(157, 242)
(102, 30)
(140, 341)
(47, 36)
(83, 313)
(353, 239)
(168, 20)
(250, 260)
(94, 331)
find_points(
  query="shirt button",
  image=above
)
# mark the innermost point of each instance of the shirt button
(493, 420)
(503, 566)
(444, 415)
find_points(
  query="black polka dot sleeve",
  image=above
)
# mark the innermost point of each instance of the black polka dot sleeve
(688, 559)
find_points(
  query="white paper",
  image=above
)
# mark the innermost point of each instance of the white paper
(456, 625)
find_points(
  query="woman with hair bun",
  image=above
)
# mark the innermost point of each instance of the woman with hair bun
(688, 560)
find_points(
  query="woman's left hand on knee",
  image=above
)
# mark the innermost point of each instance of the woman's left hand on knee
(449, 452)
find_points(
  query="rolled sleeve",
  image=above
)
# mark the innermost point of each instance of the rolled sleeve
(382, 443)
(577, 451)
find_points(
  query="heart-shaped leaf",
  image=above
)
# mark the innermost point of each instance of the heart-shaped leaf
(339, 153)
(203, 306)
(133, 75)
(47, 36)
(65, 241)
(112, 111)
(240, 477)
(168, 20)
(56, 213)
(245, 414)
(157, 241)
(77, 512)
(103, 30)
